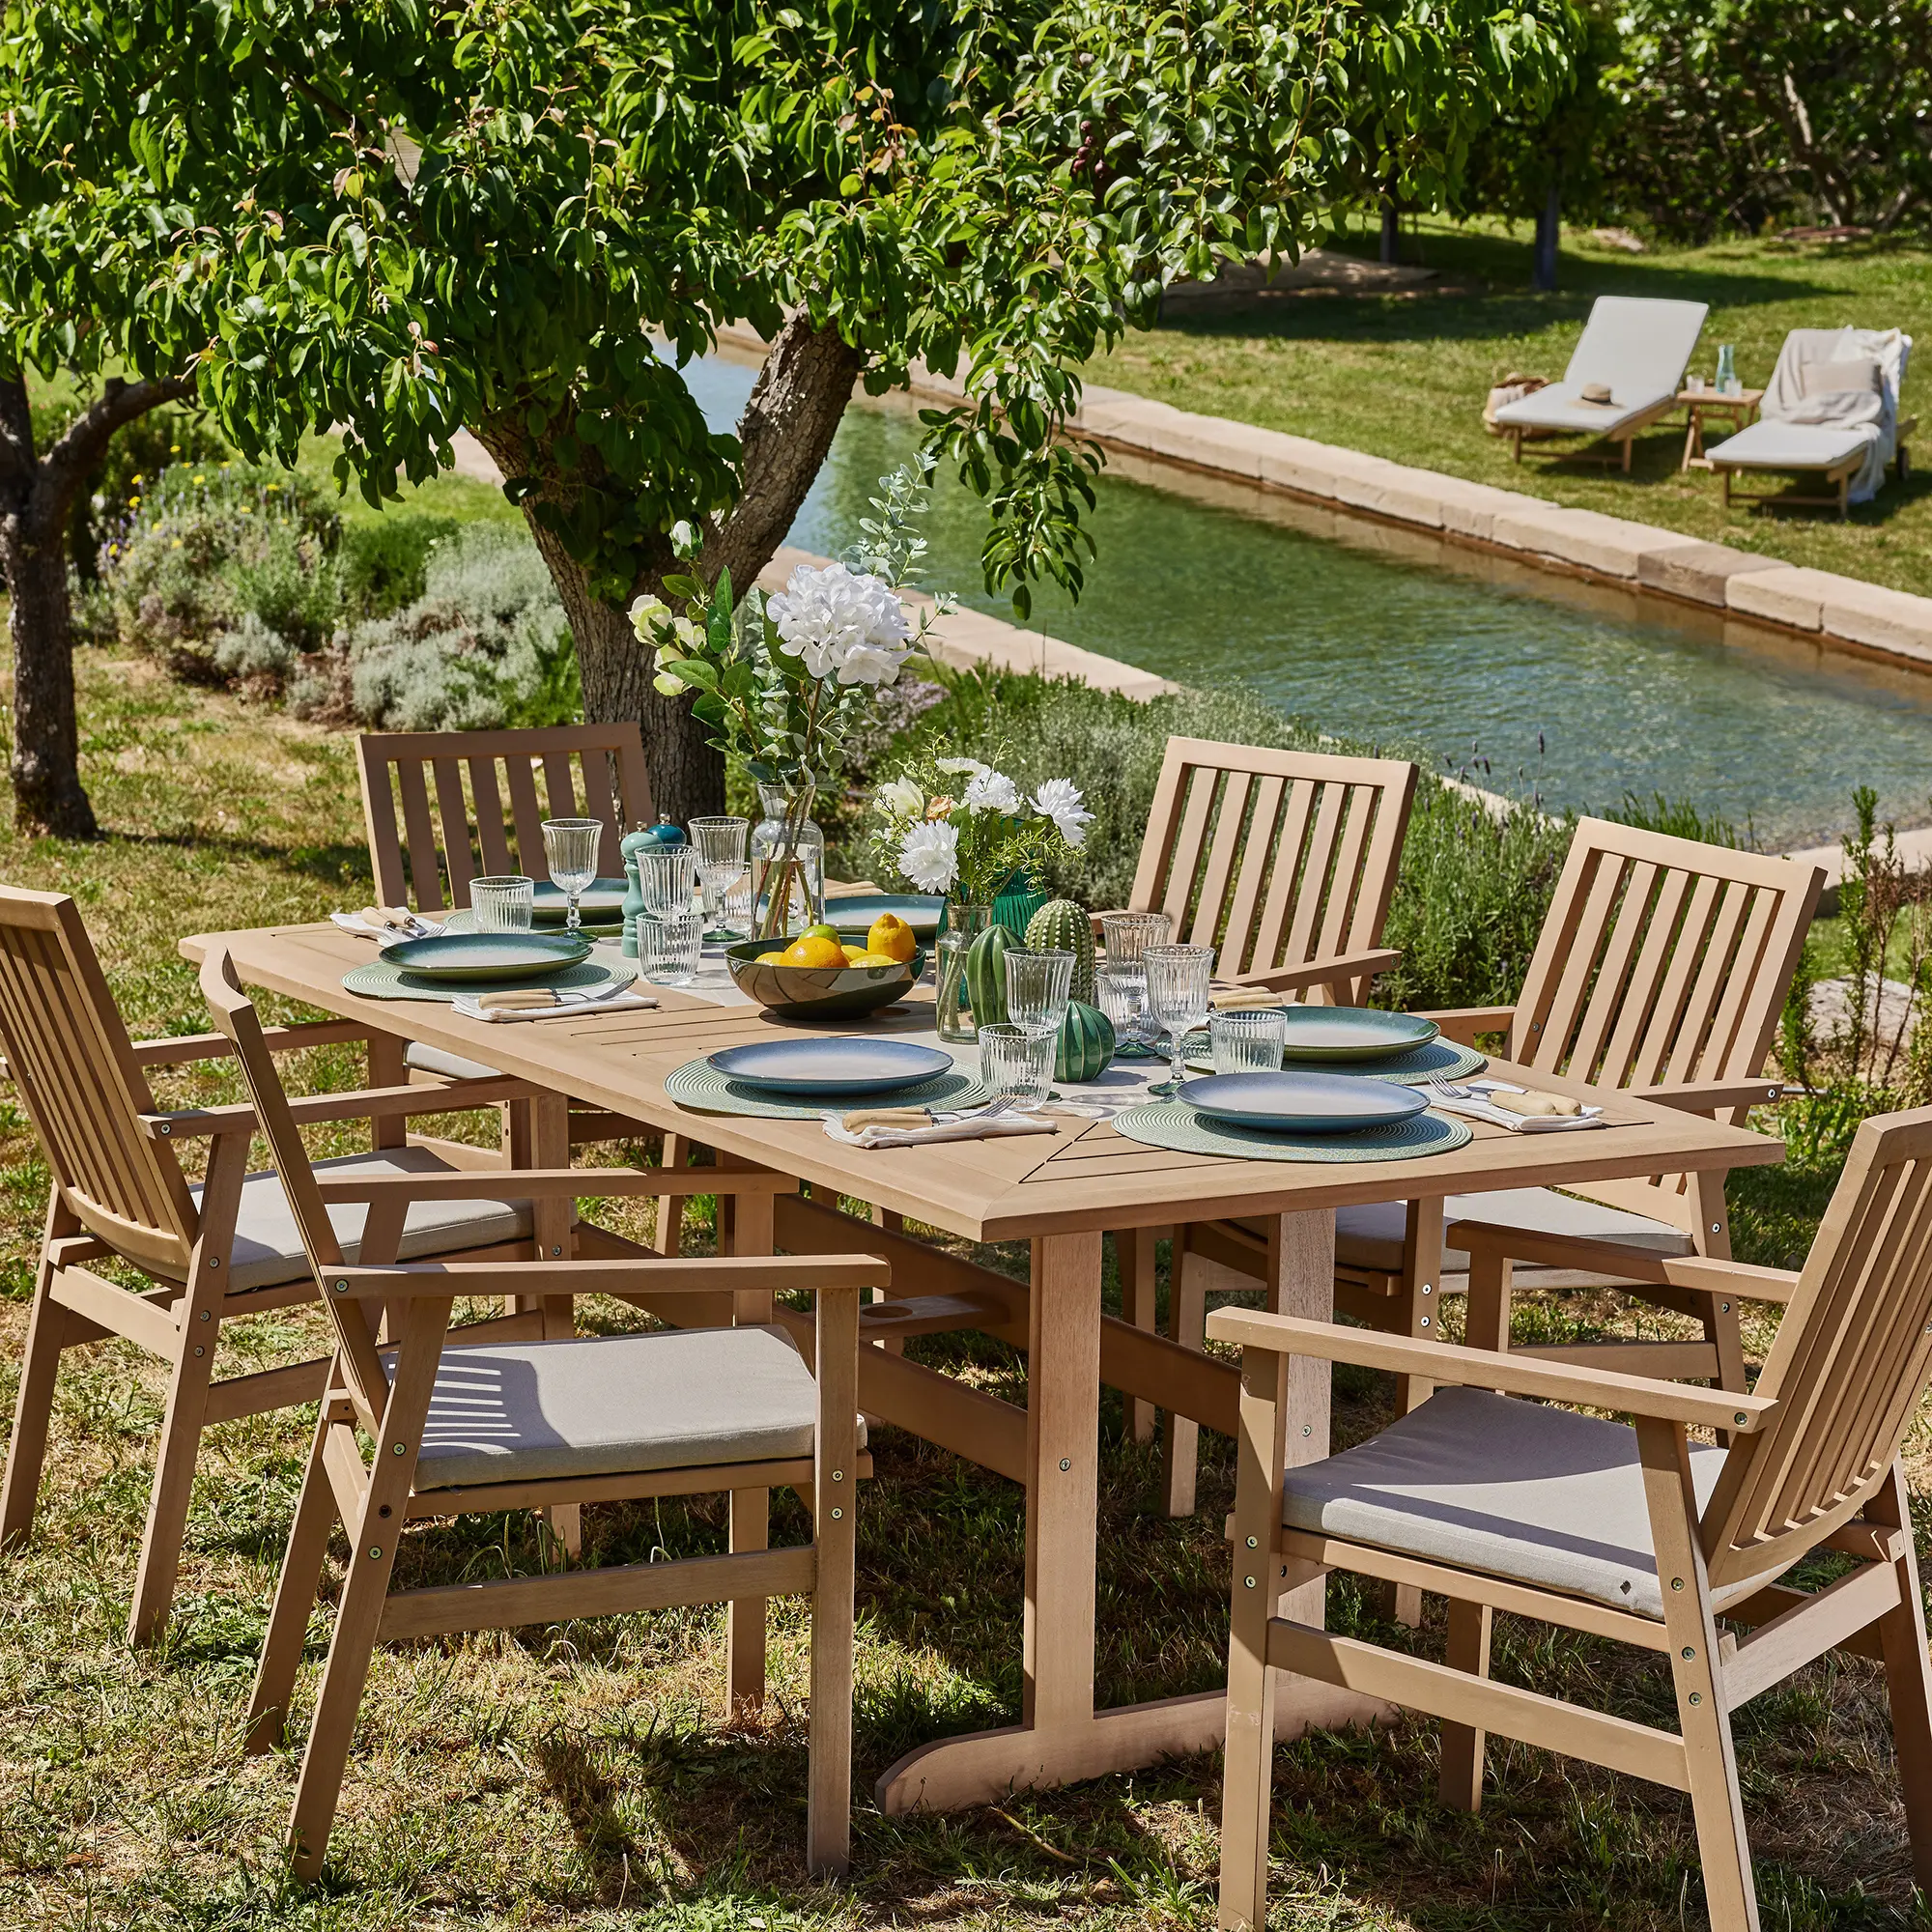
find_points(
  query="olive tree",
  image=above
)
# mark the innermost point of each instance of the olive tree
(396, 218)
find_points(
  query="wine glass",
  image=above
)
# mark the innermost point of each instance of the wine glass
(1178, 1001)
(570, 844)
(721, 846)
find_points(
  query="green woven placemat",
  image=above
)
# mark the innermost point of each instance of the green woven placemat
(380, 980)
(1185, 1129)
(699, 1085)
(1438, 1060)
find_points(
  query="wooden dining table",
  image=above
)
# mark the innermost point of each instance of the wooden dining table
(1060, 1193)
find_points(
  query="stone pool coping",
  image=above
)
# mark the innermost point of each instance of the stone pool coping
(1821, 606)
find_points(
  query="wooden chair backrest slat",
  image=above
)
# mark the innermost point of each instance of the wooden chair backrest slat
(1849, 1364)
(235, 1017)
(443, 807)
(74, 1066)
(1275, 857)
(1661, 961)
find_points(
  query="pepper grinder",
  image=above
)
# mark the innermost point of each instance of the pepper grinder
(630, 846)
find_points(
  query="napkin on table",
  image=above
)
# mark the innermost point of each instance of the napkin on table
(870, 1133)
(1244, 999)
(385, 923)
(541, 1002)
(1520, 1109)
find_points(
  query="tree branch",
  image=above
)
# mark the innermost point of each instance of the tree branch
(77, 454)
(17, 430)
(791, 418)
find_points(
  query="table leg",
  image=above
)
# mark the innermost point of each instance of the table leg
(1062, 1738)
(1134, 1251)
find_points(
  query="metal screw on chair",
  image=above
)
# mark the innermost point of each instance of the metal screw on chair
(207, 1315)
(1066, 1463)
(1690, 1651)
(1428, 1287)
(375, 1552)
(342, 1287)
(1308, 1428)
(1739, 1418)
(1254, 1542)
(166, 1130)
(1248, 1582)
(1723, 1308)
(837, 1515)
(199, 1350)
(1677, 1582)
(554, 1249)
(401, 1449)
(214, 1260)
(1696, 1696)
(839, 1475)
(1425, 1322)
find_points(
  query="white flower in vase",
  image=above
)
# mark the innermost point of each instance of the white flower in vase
(842, 625)
(901, 798)
(953, 767)
(929, 855)
(1062, 801)
(992, 791)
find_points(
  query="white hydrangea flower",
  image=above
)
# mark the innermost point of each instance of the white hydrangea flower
(992, 791)
(901, 798)
(954, 766)
(929, 855)
(842, 625)
(1061, 799)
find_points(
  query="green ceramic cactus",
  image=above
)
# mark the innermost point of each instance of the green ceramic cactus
(987, 976)
(1062, 926)
(1086, 1044)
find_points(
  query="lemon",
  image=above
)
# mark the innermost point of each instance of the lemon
(771, 958)
(854, 954)
(876, 959)
(892, 937)
(814, 950)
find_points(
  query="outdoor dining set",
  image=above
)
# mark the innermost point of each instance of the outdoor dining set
(539, 950)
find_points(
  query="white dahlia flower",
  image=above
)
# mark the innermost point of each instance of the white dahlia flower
(992, 791)
(1061, 799)
(929, 855)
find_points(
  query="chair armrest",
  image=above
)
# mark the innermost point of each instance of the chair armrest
(543, 1183)
(1463, 1024)
(1703, 1272)
(1709, 1096)
(1321, 972)
(1094, 920)
(281, 1039)
(1478, 1368)
(721, 1274)
(370, 1103)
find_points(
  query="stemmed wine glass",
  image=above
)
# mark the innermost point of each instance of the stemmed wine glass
(1178, 1001)
(570, 844)
(720, 845)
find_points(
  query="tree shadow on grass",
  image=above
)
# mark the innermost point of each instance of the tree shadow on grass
(336, 863)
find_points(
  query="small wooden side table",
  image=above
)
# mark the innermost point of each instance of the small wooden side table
(1740, 408)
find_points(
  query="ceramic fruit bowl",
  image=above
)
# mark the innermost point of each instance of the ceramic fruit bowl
(818, 992)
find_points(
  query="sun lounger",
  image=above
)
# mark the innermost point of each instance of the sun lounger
(1831, 414)
(1635, 348)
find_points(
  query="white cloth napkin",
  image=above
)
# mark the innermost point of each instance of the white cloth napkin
(567, 1004)
(1475, 1108)
(351, 921)
(974, 1127)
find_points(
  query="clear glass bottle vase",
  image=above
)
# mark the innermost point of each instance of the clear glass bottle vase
(787, 859)
(964, 923)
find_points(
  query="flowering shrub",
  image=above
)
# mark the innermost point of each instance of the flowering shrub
(943, 836)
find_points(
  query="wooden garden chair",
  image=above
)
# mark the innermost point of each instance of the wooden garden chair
(459, 1429)
(1662, 969)
(1641, 1534)
(1285, 861)
(213, 1251)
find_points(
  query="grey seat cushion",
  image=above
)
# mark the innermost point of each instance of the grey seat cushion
(610, 1405)
(1561, 406)
(1783, 445)
(269, 1249)
(1371, 1237)
(1508, 1487)
(451, 1066)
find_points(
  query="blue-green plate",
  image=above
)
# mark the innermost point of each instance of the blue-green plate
(856, 914)
(602, 903)
(480, 957)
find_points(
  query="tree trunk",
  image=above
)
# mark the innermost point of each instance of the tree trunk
(1548, 228)
(789, 421)
(47, 792)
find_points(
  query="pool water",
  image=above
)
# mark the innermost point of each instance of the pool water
(1529, 681)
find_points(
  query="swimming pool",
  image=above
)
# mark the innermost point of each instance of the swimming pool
(1384, 633)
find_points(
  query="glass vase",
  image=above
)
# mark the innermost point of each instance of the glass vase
(964, 923)
(787, 859)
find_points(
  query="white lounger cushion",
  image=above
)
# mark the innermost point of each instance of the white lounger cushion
(1508, 1487)
(451, 1066)
(610, 1405)
(269, 1249)
(1371, 1237)
(1560, 406)
(1783, 445)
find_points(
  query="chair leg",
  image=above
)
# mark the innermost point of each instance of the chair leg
(1187, 1324)
(174, 1477)
(1486, 1316)
(47, 1329)
(1134, 1252)
(745, 1617)
(670, 1228)
(1460, 1785)
(294, 1598)
(828, 1832)
(1721, 1330)
(1907, 1681)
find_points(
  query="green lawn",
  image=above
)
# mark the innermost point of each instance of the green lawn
(1404, 376)
(577, 1775)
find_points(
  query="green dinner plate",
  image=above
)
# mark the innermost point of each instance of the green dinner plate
(486, 955)
(602, 903)
(1316, 1034)
(856, 913)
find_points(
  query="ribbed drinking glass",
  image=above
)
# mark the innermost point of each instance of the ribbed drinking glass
(1178, 978)
(570, 844)
(1016, 1064)
(503, 902)
(669, 947)
(668, 877)
(1039, 986)
(1250, 1042)
(721, 846)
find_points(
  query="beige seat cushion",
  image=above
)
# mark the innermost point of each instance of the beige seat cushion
(1512, 1489)
(1371, 1237)
(269, 1249)
(610, 1405)
(451, 1066)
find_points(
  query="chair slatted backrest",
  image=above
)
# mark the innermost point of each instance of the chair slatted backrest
(70, 1058)
(1661, 961)
(1276, 858)
(234, 1014)
(1849, 1364)
(443, 807)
